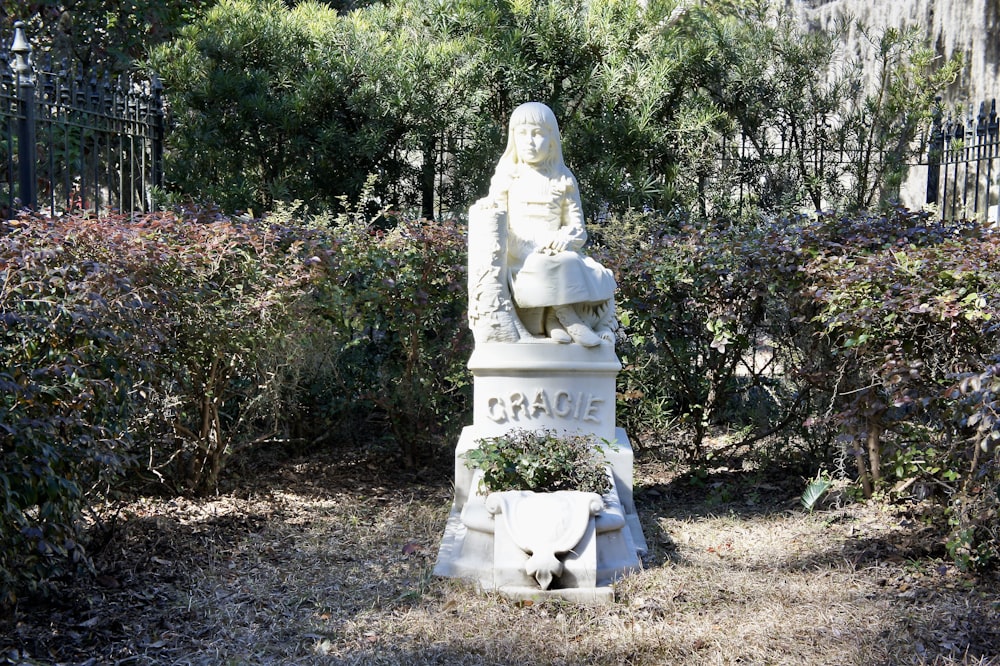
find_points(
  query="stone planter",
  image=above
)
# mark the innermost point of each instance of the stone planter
(566, 544)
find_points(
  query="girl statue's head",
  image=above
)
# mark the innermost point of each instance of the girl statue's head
(534, 113)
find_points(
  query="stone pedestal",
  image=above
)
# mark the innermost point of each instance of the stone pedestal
(543, 386)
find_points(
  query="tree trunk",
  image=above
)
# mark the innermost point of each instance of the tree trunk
(428, 171)
(863, 476)
(874, 452)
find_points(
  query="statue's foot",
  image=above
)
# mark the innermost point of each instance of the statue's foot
(580, 332)
(583, 335)
(556, 330)
(560, 335)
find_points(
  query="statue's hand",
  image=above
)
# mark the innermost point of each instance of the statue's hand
(555, 246)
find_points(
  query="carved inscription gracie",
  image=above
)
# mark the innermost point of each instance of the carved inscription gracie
(518, 405)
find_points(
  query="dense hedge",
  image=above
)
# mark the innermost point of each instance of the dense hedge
(271, 100)
(876, 337)
(64, 393)
(152, 350)
(394, 301)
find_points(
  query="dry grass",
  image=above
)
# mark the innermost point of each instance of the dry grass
(322, 561)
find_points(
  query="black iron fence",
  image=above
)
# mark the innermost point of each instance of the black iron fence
(785, 167)
(73, 140)
(955, 173)
(963, 164)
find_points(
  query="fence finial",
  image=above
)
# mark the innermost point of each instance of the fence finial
(21, 49)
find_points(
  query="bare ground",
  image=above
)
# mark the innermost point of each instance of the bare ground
(326, 559)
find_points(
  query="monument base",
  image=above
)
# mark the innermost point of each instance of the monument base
(477, 547)
(565, 388)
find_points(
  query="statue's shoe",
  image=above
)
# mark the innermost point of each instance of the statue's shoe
(579, 331)
(583, 335)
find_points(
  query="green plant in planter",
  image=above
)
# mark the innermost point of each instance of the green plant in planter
(541, 460)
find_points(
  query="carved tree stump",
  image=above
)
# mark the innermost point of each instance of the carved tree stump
(491, 310)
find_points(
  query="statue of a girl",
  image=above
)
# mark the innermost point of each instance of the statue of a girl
(533, 212)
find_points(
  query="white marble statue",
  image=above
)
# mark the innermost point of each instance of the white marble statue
(529, 283)
(527, 278)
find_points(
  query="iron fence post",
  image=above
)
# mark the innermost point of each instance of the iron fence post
(25, 75)
(935, 148)
(156, 89)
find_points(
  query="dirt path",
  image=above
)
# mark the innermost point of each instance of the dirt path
(323, 561)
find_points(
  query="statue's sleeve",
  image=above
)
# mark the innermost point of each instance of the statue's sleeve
(573, 227)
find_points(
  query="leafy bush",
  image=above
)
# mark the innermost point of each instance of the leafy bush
(395, 303)
(973, 508)
(192, 305)
(82, 35)
(694, 302)
(115, 334)
(917, 321)
(166, 344)
(903, 311)
(65, 393)
(309, 327)
(720, 108)
(273, 104)
(880, 329)
(223, 294)
(806, 126)
(543, 461)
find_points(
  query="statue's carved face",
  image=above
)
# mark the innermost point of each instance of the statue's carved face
(533, 143)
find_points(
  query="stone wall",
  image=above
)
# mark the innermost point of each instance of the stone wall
(971, 27)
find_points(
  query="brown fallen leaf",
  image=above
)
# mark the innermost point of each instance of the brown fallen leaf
(413, 548)
(107, 581)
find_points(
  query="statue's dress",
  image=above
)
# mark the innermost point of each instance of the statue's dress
(540, 210)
